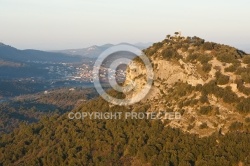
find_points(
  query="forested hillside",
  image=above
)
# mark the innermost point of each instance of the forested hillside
(60, 141)
(32, 108)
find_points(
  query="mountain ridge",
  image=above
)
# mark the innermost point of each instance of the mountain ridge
(10, 53)
(95, 50)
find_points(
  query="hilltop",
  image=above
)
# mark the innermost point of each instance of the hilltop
(209, 83)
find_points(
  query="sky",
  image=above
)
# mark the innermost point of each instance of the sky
(64, 24)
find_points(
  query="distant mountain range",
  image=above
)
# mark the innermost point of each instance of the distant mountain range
(24, 64)
(11, 54)
(94, 51)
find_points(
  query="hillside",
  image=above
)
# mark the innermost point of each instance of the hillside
(58, 140)
(33, 107)
(208, 83)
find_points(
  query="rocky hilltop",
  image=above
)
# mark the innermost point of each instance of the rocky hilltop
(208, 83)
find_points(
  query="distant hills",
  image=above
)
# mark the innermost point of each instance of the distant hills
(94, 51)
(16, 64)
(11, 54)
(30, 71)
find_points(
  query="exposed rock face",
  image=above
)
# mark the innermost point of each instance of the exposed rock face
(170, 72)
(136, 74)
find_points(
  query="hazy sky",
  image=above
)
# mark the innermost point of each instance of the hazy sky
(61, 24)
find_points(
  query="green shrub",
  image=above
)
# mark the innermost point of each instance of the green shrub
(246, 59)
(190, 51)
(194, 102)
(236, 126)
(192, 57)
(169, 53)
(158, 45)
(207, 46)
(177, 46)
(247, 120)
(228, 95)
(206, 67)
(240, 70)
(221, 79)
(184, 48)
(190, 127)
(228, 58)
(149, 51)
(203, 126)
(244, 73)
(242, 88)
(246, 77)
(205, 110)
(197, 41)
(198, 87)
(244, 105)
(204, 99)
(231, 68)
(209, 88)
(204, 58)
